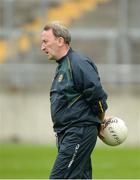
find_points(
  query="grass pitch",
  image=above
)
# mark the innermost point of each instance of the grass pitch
(36, 161)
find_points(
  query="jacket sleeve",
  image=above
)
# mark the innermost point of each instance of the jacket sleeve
(87, 81)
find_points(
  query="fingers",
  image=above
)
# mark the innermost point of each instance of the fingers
(108, 118)
(101, 135)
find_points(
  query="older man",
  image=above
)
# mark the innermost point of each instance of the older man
(78, 104)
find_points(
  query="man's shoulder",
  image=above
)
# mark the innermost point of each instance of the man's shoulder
(76, 54)
(78, 58)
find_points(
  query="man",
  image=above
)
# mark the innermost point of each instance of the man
(78, 104)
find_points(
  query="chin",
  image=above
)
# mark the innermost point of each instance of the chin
(50, 58)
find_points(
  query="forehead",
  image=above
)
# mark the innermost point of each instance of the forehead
(47, 34)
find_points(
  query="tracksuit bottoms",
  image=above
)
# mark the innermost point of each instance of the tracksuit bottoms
(75, 146)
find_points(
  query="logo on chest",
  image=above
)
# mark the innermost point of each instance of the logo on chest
(60, 78)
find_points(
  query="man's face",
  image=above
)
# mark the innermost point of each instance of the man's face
(49, 44)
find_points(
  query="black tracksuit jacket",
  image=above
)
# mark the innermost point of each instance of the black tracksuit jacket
(76, 95)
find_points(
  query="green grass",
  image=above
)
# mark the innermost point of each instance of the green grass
(117, 163)
(35, 161)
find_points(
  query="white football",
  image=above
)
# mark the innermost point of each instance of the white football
(114, 131)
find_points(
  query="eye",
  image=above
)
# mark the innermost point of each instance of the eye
(44, 42)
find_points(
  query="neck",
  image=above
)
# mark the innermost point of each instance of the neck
(63, 52)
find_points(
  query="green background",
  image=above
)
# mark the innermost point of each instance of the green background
(36, 161)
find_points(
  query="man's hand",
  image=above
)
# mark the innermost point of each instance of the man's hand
(102, 126)
(100, 134)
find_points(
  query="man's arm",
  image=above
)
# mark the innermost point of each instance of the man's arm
(101, 116)
(88, 82)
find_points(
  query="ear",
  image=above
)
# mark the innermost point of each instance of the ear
(60, 41)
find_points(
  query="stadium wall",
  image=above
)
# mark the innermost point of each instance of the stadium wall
(25, 105)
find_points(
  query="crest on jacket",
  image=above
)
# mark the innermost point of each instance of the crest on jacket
(60, 78)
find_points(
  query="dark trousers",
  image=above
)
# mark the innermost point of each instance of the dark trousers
(74, 150)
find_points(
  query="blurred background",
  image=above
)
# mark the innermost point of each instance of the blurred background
(108, 31)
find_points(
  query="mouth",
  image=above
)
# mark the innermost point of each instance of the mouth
(47, 52)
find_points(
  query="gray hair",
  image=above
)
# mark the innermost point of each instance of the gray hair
(59, 31)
